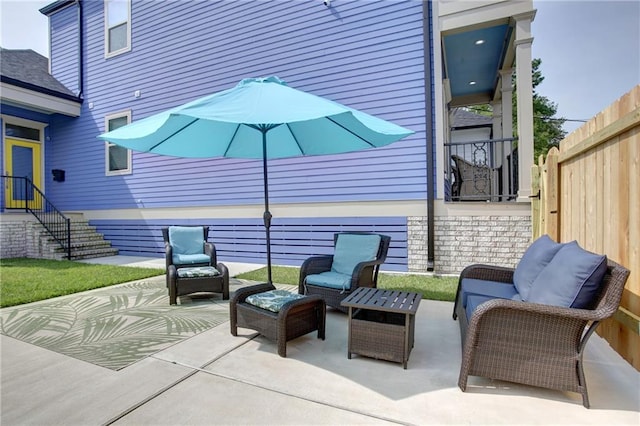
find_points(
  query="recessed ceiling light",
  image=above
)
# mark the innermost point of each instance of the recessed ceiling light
(471, 83)
(479, 42)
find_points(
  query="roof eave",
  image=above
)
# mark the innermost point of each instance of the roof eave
(39, 100)
(56, 6)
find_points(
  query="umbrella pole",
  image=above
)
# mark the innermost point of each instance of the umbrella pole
(267, 214)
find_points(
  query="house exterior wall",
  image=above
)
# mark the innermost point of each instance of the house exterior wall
(368, 55)
(182, 51)
(64, 35)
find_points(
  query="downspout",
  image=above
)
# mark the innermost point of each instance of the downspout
(428, 106)
(80, 53)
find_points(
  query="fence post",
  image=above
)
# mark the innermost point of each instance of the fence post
(536, 195)
(552, 205)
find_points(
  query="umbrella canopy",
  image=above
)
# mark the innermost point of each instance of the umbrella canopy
(259, 118)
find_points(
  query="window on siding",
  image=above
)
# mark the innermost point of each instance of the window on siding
(117, 27)
(117, 158)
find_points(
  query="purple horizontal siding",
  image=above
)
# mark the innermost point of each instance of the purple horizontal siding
(243, 240)
(366, 54)
(65, 42)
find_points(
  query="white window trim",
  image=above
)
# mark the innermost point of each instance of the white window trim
(107, 144)
(108, 54)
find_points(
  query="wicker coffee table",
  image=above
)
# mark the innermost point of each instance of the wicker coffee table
(381, 323)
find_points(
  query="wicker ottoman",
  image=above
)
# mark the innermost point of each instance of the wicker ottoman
(195, 280)
(294, 318)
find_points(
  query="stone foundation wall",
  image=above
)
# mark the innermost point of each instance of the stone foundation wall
(22, 238)
(13, 239)
(464, 240)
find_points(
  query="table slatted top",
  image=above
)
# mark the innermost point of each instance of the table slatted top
(383, 300)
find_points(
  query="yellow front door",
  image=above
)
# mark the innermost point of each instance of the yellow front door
(22, 159)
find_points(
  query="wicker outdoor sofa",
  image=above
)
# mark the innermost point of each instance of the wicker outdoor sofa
(506, 338)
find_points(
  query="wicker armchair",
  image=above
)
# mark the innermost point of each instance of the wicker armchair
(179, 286)
(364, 274)
(529, 343)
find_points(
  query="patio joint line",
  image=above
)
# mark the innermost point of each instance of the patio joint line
(172, 384)
(244, 382)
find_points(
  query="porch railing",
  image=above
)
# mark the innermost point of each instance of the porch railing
(483, 170)
(21, 194)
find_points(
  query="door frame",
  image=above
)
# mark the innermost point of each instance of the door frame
(8, 119)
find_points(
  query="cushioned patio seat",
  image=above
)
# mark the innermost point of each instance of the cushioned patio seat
(191, 262)
(355, 263)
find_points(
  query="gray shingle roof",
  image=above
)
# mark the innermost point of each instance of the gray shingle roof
(463, 118)
(30, 68)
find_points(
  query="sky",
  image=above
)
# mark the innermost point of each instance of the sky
(590, 50)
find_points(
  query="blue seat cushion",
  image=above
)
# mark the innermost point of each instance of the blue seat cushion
(203, 271)
(190, 259)
(186, 239)
(330, 279)
(272, 300)
(492, 289)
(573, 279)
(533, 261)
(352, 249)
(475, 300)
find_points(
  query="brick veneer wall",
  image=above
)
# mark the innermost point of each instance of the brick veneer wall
(464, 240)
(12, 239)
(21, 238)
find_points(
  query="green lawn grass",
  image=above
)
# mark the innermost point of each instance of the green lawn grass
(431, 287)
(29, 280)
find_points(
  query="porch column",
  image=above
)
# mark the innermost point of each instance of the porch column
(496, 123)
(524, 83)
(506, 106)
(506, 89)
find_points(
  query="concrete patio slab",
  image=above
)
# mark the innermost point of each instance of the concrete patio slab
(215, 378)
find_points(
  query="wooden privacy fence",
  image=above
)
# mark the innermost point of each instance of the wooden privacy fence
(590, 192)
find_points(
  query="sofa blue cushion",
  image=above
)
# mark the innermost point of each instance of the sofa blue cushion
(330, 279)
(493, 289)
(475, 300)
(572, 279)
(533, 261)
(352, 249)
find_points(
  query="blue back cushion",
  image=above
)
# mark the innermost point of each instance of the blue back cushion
(533, 261)
(186, 239)
(572, 279)
(352, 249)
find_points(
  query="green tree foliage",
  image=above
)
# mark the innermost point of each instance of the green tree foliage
(547, 130)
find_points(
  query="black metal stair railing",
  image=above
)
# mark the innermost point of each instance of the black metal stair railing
(21, 193)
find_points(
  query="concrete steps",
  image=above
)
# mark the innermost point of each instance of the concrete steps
(86, 242)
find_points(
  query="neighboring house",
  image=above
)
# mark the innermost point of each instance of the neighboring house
(408, 62)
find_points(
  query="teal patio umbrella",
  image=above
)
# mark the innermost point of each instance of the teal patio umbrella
(260, 118)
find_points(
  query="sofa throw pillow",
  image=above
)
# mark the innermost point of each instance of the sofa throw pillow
(352, 249)
(186, 239)
(572, 279)
(533, 261)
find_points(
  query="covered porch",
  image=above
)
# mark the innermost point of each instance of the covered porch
(483, 45)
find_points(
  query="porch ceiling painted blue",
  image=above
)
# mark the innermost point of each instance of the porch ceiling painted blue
(466, 61)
